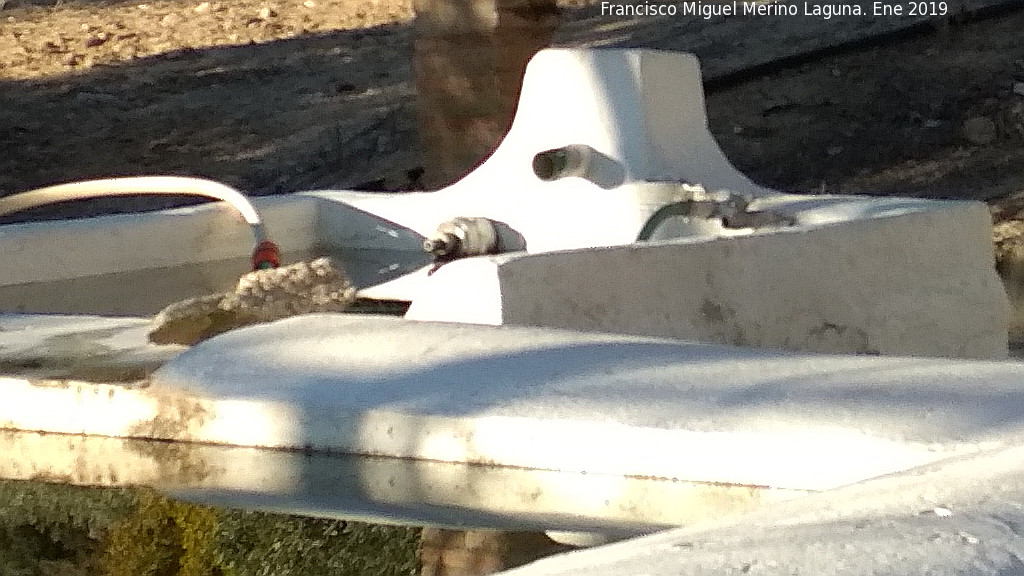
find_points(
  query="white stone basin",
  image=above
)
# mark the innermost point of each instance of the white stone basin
(832, 274)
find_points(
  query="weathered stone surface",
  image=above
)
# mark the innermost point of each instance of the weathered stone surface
(919, 283)
(83, 348)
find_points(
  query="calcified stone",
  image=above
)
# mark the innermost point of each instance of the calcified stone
(261, 296)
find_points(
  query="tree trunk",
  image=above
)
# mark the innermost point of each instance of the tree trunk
(480, 552)
(469, 60)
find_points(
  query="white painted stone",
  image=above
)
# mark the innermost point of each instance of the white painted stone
(642, 110)
(136, 264)
(549, 399)
(388, 490)
(164, 239)
(45, 347)
(960, 517)
(865, 276)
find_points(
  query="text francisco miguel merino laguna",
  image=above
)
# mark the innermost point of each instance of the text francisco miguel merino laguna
(710, 10)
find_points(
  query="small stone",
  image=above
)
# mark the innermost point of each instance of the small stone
(1018, 88)
(97, 40)
(171, 20)
(202, 8)
(309, 4)
(835, 150)
(266, 13)
(968, 538)
(980, 130)
(95, 98)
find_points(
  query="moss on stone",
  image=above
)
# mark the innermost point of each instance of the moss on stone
(51, 529)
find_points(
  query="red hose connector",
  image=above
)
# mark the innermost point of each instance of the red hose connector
(266, 255)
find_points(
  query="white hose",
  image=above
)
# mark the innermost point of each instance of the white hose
(135, 186)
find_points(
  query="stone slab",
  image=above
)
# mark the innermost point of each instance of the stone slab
(384, 490)
(855, 275)
(82, 348)
(549, 399)
(959, 517)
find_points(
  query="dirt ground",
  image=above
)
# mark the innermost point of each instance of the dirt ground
(281, 95)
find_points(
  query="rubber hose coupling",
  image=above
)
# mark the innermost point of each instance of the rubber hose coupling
(461, 237)
(266, 255)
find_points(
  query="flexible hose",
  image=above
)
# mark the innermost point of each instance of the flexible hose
(134, 186)
(660, 216)
(264, 256)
